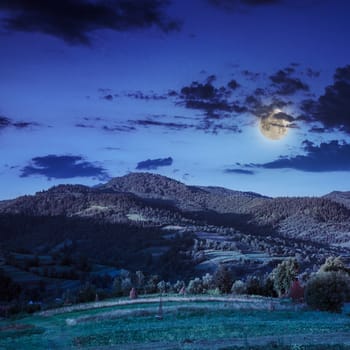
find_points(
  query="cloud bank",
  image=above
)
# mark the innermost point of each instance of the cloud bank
(74, 21)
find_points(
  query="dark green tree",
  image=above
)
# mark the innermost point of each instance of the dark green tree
(283, 275)
(223, 279)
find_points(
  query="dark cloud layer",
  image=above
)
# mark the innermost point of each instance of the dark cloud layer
(4, 122)
(139, 95)
(332, 109)
(156, 123)
(7, 122)
(75, 20)
(152, 164)
(239, 171)
(332, 156)
(63, 167)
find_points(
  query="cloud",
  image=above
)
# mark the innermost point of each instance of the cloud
(332, 109)
(108, 97)
(238, 4)
(104, 124)
(4, 122)
(214, 102)
(118, 128)
(252, 76)
(75, 20)
(261, 110)
(152, 164)
(311, 73)
(7, 122)
(286, 84)
(139, 95)
(63, 167)
(232, 84)
(168, 125)
(331, 156)
(239, 171)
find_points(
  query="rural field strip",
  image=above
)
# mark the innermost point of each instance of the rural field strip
(217, 344)
(254, 302)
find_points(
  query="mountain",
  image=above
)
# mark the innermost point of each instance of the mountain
(187, 198)
(339, 197)
(149, 222)
(153, 200)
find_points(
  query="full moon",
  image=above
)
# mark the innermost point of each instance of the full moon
(275, 126)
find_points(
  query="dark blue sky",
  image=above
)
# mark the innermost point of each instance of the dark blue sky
(247, 94)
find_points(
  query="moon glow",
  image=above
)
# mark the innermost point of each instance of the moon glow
(274, 127)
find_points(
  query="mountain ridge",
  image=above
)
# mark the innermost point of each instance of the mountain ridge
(152, 199)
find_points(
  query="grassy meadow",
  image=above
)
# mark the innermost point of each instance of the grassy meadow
(184, 325)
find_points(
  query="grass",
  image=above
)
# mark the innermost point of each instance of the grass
(184, 323)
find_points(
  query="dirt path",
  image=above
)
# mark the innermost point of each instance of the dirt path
(257, 303)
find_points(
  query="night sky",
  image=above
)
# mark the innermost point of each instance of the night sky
(253, 95)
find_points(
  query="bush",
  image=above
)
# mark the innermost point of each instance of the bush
(327, 291)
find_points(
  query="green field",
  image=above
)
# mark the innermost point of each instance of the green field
(185, 325)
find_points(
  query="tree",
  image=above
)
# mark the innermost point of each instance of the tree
(223, 279)
(9, 290)
(139, 280)
(283, 275)
(327, 291)
(151, 285)
(195, 286)
(334, 264)
(238, 287)
(207, 281)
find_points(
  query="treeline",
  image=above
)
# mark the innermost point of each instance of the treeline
(118, 245)
(327, 289)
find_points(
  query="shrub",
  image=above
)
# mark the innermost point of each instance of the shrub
(327, 291)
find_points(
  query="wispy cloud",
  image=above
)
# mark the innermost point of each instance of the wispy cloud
(152, 164)
(6, 122)
(239, 171)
